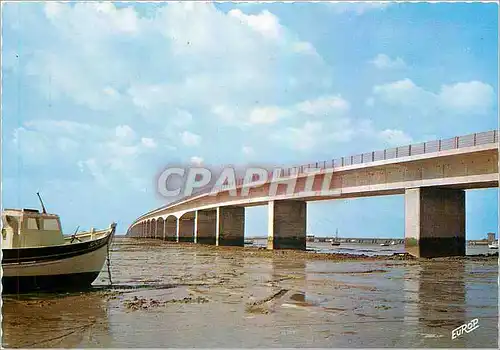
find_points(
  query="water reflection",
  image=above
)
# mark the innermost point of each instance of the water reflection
(276, 300)
(55, 321)
(435, 302)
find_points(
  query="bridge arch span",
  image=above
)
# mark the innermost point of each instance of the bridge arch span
(433, 176)
(186, 226)
(160, 228)
(153, 228)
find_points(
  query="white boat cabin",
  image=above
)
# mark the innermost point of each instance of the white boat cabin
(25, 228)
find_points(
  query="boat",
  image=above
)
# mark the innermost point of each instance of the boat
(336, 241)
(493, 245)
(393, 243)
(384, 244)
(38, 257)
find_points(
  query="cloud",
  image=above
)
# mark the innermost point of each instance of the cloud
(382, 61)
(314, 134)
(148, 142)
(102, 67)
(247, 150)
(190, 139)
(267, 115)
(469, 97)
(304, 47)
(357, 8)
(403, 92)
(103, 17)
(38, 140)
(109, 155)
(472, 97)
(182, 118)
(196, 160)
(224, 113)
(324, 105)
(191, 74)
(395, 137)
(125, 131)
(265, 23)
(300, 138)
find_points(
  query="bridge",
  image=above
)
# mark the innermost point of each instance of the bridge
(433, 176)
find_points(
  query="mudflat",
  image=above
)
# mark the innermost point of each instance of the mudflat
(185, 295)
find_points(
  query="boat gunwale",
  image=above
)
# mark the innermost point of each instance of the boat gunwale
(79, 248)
(67, 237)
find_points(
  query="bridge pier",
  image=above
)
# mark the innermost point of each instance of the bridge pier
(434, 222)
(287, 224)
(152, 228)
(205, 227)
(171, 228)
(185, 230)
(160, 226)
(230, 226)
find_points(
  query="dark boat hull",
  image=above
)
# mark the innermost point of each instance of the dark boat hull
(54, 283)
(58, 268)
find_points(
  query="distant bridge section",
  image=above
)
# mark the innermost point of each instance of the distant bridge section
(432, 175)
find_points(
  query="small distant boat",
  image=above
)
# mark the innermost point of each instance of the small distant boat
(336, 241)
(38, 257)
(248, 241)
(493, 245)
(384, 244)
(393, 243)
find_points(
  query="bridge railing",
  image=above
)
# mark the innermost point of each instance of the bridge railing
(470, 140)
(476, 139)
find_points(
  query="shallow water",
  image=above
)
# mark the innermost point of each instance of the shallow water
(369, 249)
(170, 295)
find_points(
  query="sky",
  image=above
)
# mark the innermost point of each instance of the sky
(99, 97)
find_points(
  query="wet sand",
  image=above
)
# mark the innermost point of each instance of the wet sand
(181, 295)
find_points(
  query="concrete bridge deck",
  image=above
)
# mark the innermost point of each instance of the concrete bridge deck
(432, 175)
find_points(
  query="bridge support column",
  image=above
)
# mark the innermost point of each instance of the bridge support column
(205, 226)
(153, 228)
(230, 226)
(287, 225)
(434, 222)
(160, 226)
(171, 229)
(185, 230)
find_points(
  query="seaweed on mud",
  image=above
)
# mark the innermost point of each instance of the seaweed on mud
(259, 305)
(383, 307)
(142, 303)
(278, 294)
(352, 272)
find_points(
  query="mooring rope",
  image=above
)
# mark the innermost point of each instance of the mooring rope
(108, 260)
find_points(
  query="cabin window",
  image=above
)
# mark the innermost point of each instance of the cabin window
(11, 221)
(33, 224)
(50, 224)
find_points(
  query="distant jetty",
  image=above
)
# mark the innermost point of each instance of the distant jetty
(355, 240)
(346, 240)
(310, 238)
